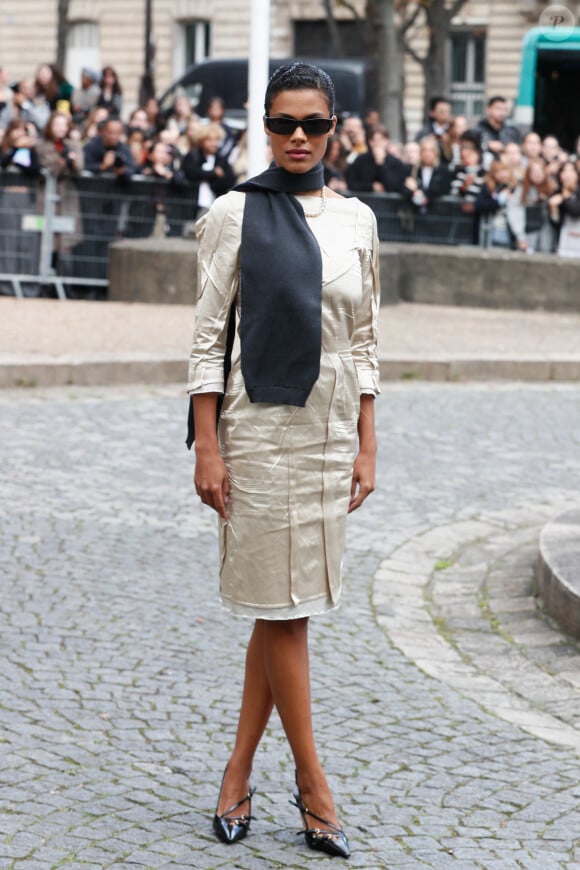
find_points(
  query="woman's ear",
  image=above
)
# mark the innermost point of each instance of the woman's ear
(334, 122)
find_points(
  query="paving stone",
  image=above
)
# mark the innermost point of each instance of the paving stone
(115, 729)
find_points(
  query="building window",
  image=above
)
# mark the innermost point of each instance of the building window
(192, 44)
(312, 38)
(82, 49)
(467, 86)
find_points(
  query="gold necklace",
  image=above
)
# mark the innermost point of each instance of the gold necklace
(322, 208)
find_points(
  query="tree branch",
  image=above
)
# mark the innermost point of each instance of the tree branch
(406, 25)
(350, 8)
(411, 51)
(456, 7)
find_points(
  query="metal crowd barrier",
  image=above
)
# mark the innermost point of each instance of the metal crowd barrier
(442, 222)
(57, 233)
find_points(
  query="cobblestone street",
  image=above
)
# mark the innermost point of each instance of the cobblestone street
(447, 705)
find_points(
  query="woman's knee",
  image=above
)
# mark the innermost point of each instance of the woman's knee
(285, 629)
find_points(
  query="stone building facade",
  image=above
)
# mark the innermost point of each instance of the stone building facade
(484, 50)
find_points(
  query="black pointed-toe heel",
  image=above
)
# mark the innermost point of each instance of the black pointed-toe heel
(231, 829)
(330, 839)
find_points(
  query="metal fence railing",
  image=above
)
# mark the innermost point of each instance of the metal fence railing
(443, 222)
(56, 233)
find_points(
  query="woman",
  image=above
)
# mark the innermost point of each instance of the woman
(512, 157)
(209, 172)
(188, 140)
(282, 472)
(528, 212)
(18, 153)
(94, 124)
(62, 157)
(59, 154)
(334, 163)
(52, 85)
(20, 167)
(181, 115)
(451, 141)
(111, 96)
(531, 146)
(469, 175)
(430, 180)
(565, 210)
(216, 110)
(493, 200)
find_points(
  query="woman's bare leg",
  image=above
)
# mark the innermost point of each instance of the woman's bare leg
(288, 670)
(278, 672)
(255, 711)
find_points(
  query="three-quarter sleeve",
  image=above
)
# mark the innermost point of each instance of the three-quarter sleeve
(364, 339)
(218, 268)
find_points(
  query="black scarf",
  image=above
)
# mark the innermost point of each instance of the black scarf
(281, 286)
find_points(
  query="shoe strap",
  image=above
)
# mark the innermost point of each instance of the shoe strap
(247, 797)
(297, 802)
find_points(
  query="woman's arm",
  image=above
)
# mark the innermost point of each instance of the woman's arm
(364, 353)
(363, 475)
(211, 476)
(218, 278)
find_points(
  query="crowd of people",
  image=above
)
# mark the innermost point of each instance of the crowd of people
(527, 187)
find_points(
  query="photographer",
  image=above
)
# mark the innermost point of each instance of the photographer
(108, 153)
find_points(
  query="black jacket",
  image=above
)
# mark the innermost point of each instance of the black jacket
(439, 184)
(192, 169)
(95, 150)
(505, 134)
(361, 174)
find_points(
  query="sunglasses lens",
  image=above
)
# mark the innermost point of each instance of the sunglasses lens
(310, 126)
(281, 126)
(316, 126)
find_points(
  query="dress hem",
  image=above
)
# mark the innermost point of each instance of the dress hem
(280, 614)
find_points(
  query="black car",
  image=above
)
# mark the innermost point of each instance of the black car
(228, 79)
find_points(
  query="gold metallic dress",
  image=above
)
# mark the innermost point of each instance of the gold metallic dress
(290, 469)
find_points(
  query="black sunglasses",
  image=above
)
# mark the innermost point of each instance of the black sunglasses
(310, 126)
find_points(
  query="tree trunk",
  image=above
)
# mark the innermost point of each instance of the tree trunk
(437, 15)
(335, 37)
(147, 84)
(388, 68)
(387, 64)
(436, 66)
(61, 32)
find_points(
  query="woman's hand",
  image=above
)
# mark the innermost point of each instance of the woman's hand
(211, 475)
(363, 479)
(211, 480)
(363, 472)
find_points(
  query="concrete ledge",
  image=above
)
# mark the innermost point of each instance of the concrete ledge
(62, 372)
(439, 275)
(158, 369)
(558, 570)
(165, 270)
(153, 270)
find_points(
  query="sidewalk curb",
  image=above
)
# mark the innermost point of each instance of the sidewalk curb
(39, 371)
(557, 570)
